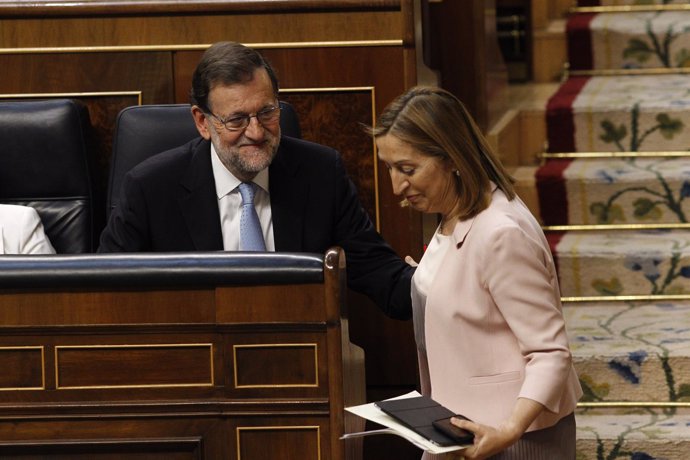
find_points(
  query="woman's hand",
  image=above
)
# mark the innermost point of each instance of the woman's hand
(488, 440)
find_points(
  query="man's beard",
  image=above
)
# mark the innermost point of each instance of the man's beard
(245, 165)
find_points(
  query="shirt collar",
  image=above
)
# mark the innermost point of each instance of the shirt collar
(226, 182)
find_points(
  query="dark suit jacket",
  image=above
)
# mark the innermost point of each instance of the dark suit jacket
(169, 203)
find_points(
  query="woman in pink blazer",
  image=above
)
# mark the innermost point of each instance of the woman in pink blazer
(488, 323)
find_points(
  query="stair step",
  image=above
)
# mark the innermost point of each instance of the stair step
(620, 113)
(633, 358)
(541, 13)
(622, 263)
(631, 351)
(648, 435)
(629, 40)
(596, 191)
(549, 41)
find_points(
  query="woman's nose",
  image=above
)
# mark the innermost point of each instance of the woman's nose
(399, 183)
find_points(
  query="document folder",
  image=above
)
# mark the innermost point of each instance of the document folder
(393, 425)
(418, 414)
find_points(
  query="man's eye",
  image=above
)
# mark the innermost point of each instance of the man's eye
(235, 120)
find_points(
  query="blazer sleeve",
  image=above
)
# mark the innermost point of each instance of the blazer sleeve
(30, 236)
(521, 278)
(373, 267)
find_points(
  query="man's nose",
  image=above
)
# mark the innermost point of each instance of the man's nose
(254, 129)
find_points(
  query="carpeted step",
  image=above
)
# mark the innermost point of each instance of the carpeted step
(633, 352)
(633, 360)
(633, 113)
(643, 434)
(622, 263)
(596, 191)
(628, 40)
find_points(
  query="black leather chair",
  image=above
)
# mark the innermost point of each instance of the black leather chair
(44, 164)
(142, 131)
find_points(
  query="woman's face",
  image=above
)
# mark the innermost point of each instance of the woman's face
(426, 182)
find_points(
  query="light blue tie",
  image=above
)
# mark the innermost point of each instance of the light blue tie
(251, 236)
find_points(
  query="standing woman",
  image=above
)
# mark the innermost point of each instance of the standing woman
(490, 332)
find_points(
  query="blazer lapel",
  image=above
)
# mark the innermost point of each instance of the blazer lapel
(198, 201)
(288, 201)
(463, 227)
(461, 230)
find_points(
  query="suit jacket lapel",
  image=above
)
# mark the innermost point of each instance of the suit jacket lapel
(198, 201)
(288, 200)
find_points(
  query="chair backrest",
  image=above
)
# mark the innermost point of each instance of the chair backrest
(44, 164)
(142, 131)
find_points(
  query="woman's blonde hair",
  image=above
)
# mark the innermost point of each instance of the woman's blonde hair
(436, 123)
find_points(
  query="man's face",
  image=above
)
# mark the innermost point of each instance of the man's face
(246, 151)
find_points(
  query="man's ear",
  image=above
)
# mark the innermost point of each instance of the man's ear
(200, 120)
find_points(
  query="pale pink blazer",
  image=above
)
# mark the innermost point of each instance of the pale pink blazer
(21, 231)
(493, 321)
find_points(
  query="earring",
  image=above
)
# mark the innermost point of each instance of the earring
(457, 173)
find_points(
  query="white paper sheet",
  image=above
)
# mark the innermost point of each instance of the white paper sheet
(373, 413)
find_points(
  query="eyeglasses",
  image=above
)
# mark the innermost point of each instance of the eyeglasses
(266, 116)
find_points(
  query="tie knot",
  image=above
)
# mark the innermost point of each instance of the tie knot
(247, 192)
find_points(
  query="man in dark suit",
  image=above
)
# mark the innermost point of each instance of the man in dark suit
(188, 199)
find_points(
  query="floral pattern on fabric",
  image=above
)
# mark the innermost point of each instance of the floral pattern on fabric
(641, 40)
(640, 434)
(628, 190)
(633, 113)
(601, 263)
(624, 351)
(631, 352)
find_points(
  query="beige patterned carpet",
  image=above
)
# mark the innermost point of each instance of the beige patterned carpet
(613, 196)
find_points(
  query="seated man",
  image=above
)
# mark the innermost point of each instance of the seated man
(21, 231)
(297, 195)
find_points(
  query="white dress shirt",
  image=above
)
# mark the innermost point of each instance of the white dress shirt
(230, 202)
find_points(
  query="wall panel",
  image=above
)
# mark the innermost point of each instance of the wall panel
(174, 30)
(82, 72)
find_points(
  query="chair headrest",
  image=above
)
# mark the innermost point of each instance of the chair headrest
(44, 150)
(44, 164)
